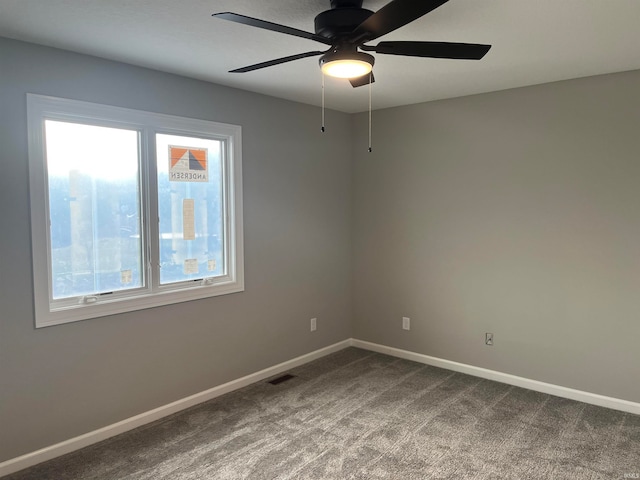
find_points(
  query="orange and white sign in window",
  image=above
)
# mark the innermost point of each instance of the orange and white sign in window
(188, 164)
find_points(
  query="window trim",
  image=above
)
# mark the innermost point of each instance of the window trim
(41, 108)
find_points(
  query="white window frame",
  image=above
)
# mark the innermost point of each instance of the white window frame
(152, 294)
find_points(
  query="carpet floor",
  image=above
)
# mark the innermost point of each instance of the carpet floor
(362, 415)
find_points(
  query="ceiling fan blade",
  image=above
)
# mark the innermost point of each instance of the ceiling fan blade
(393, 15)
(363, 80)
(460, 51)
(277, 61)
(274, 27)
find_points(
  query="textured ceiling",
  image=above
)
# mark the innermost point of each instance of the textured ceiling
(534, 41)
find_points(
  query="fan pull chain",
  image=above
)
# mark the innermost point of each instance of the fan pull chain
(370, 78)
(322, 129)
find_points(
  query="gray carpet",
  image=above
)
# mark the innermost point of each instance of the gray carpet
(362, 415)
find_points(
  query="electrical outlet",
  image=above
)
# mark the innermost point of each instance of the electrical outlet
(313, 324)
(488, 338)
(406, 323)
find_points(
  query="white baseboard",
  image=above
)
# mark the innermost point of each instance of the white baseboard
(76, 443)
(558, 391)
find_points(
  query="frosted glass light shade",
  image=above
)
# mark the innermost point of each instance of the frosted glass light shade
(346, 64)
(346, 68)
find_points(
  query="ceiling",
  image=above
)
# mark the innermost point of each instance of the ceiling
(534, 41)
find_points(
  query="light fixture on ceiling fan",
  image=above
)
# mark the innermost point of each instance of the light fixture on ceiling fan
(351, 64)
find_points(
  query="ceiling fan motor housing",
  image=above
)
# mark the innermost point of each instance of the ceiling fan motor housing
(346, 3)
(340, 21)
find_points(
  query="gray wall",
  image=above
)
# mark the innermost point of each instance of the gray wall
(63, 381)
(514, 212)
(517, 213)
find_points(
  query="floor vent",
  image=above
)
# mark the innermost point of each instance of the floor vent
(281, 379)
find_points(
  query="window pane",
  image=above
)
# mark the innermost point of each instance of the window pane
(190, 204)
(94, 208)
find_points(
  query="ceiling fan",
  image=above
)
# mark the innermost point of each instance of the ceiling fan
(347, 27)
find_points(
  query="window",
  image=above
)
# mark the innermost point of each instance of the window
(130, 209)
